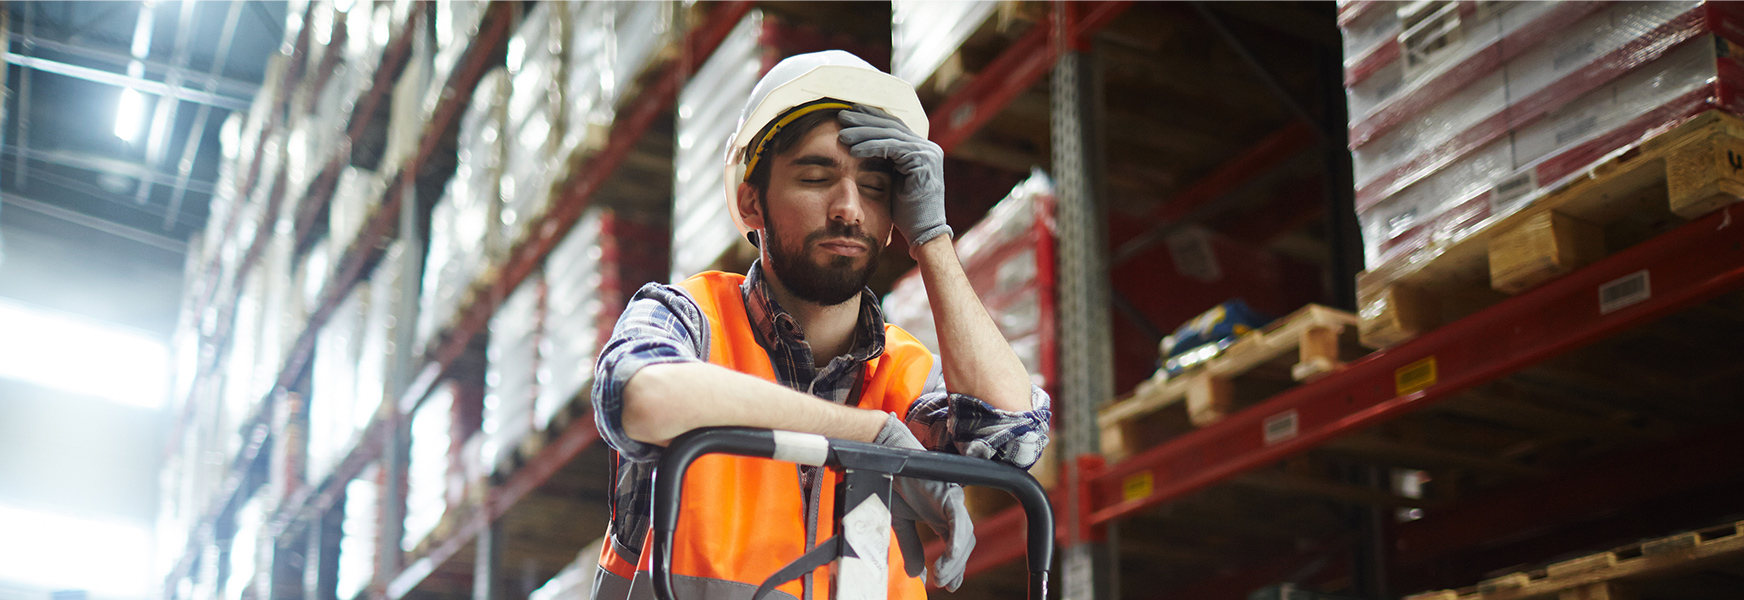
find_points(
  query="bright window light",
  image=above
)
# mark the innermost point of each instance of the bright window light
(129, 115)
(78, 355)
(62, 552)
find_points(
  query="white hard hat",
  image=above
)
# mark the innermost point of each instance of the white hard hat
(804, 79)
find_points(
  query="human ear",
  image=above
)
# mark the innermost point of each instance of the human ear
(750, 210)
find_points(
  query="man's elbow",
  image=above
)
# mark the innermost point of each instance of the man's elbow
(644, 416)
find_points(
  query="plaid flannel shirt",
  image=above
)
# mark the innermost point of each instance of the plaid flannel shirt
(662, 324)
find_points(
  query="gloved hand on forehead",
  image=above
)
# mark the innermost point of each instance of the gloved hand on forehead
(918, 208)
(937, 503)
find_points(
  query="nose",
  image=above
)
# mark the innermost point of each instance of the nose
(846, 203)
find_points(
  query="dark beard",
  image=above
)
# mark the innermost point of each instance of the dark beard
(826, 285)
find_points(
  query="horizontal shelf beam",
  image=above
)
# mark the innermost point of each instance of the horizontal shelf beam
(1555, 318)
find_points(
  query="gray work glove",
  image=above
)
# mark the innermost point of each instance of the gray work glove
(919, 207)
(937, 503)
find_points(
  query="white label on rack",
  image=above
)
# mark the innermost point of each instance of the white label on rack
(1507, 195)
(1191, 250)
(1624, 292)
(1281, 427)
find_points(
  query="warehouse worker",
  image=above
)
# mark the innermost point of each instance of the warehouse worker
(830, 154)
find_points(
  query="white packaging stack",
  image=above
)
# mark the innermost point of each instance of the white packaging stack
(570, 341)
(610, 44)
(358, 534)
(923, 34)
(457, 23)
(356, 195)
(245, 551)
(465, 232)
(1468, 112)
(240, 383)
(511, 370)
(1006, 257)
(277, 332)
(535, 116)
(406, 116)
(376, 368)
(708, 110)
(575, 580)
(333, 402)
(427, 470)
(367, 28)
(590, 277)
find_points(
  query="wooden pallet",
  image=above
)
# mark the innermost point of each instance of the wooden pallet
(1607, 575)
(1682, 173)
(1208, 393)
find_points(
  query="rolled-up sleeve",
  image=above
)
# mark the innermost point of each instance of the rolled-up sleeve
(660, 325)
(969, 426)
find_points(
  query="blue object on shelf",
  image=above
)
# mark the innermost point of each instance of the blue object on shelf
(1204, 337)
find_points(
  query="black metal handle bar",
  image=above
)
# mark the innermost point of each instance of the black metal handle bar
(807, 449)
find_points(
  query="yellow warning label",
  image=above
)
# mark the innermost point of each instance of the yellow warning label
(1137, 486)
(1415, 377)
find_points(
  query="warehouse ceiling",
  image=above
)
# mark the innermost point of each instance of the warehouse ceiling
(70, 66)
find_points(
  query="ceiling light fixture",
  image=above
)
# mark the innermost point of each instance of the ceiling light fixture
(130, 109)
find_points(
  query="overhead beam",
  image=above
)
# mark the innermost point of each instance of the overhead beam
(98, 164)
(78, 218)
(145, 86)
(218, 84)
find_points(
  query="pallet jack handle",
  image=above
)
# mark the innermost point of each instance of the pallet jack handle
(817, 450)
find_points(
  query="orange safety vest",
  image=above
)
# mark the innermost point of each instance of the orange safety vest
(744, 518)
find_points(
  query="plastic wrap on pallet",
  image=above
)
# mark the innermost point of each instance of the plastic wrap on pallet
(708, 109)
(574, 296)
(536, 110)
(274, 329)
(245, 550)
(358, 532)
(427, 469)
(465, 229)
(333, 420)
(1510, 173)
(609, 45)
(406, 114)
(1004, 257)
(358, 193)
(1440, 37)
(924, 34)
(376, 367)
(511, 370)
(457, 22)
(1583, 56)
(590, 277)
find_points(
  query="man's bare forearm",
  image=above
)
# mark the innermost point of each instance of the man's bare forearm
(977, 359)
(664, 401)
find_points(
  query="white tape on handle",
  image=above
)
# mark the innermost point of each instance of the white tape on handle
(803, 448)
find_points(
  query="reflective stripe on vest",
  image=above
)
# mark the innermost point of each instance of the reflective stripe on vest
(744, 518)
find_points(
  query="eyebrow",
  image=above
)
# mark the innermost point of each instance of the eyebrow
(879, 165)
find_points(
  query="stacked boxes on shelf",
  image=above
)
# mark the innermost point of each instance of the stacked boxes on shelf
(1462, 114)
(924, 35)
(427, 469)
(511, 371)
(358, 192)
(590, 277)
(464, 224)
(708, 109)
(457, 22)
(358, 534)
(336, 413)
(536, 107)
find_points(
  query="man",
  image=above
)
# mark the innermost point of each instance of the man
(829, 157)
